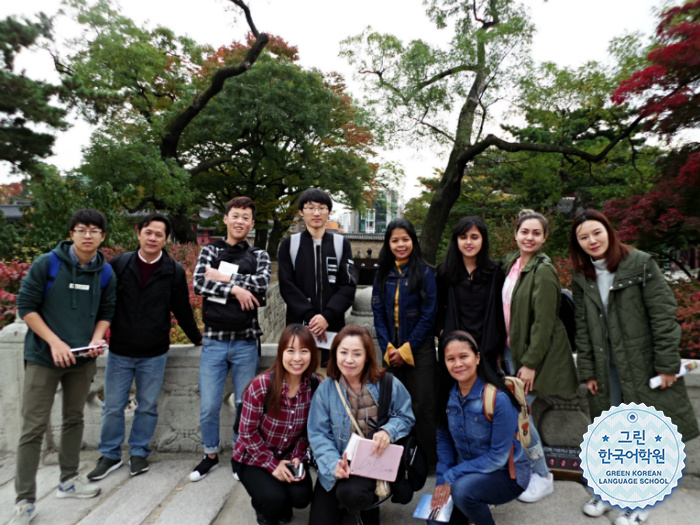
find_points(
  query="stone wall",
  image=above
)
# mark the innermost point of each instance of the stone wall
(272, 317)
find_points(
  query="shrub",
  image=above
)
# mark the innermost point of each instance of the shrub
(11, 275)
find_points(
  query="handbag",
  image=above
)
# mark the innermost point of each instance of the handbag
(382, 490)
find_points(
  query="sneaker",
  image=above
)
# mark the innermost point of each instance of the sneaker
(24, 513)
(538, 488)
(632, 517)
(205, 466)
(77, 487)
(596, 507)
(138, 465)
(234, 468)
(104, 466)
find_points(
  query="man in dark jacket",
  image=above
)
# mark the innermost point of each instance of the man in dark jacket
(316, 271)
(67, 300)
(150, 286)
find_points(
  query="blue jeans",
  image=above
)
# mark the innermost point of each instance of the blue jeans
(121, 371)
(473, 493)
(218, 357)
(538, 462)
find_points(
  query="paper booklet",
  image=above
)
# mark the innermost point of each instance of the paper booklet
(384, 467)
(441, 514)
(686, 366)
(226, 268)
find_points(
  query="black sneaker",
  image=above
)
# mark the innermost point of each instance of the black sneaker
(138, 464)
(104, 466)
(205, 466)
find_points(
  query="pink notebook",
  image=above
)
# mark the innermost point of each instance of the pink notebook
(384, 467)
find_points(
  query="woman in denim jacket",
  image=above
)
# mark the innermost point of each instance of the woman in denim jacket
(475, 465)
(404, 301)
(353, 365)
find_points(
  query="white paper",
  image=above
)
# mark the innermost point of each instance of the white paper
(226, 268)
(329, 339)
(686, 366)
(352, 445)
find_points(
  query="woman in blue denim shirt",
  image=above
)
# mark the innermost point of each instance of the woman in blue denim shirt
(474, 454)
(404, 301)
(353, 365)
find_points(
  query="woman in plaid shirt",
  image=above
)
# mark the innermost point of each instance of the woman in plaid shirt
(271, 442)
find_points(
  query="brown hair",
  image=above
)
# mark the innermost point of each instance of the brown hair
(527, 214)
(581, 261)
(278, 373)
(242, 203)
(372, 372)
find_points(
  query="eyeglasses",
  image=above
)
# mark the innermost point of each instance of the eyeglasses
(83, 233)
(320, 209)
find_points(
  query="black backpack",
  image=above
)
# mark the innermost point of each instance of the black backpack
(566, 311)
(413, 470)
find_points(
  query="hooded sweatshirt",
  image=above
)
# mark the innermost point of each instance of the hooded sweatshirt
(73, 306)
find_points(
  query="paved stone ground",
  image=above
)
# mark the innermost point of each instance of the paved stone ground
(165, 496)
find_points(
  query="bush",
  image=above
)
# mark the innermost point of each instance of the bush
(11, 275)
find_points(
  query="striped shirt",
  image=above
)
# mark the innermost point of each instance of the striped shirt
(254, 282)
(264, 440)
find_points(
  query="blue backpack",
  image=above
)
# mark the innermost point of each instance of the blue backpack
(55, 264)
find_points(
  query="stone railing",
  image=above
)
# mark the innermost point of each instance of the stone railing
(272, 317)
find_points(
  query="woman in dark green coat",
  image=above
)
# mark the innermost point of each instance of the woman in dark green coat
(626, 330)
(538, 350)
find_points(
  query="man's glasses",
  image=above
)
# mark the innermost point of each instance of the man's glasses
(83, 233)
(314, 209)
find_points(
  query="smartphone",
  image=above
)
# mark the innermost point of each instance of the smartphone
(297, 472)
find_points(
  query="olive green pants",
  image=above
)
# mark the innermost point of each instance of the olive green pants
(40, 386)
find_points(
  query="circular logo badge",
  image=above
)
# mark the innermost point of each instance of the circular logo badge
(632, 456)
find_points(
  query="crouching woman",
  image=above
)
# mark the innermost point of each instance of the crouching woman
(354, 374)
(272, 432)
(480, 462)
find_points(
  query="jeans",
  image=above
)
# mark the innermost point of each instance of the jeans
(218, 357)
(119, 374)
(473, 493)
(40, 385)
(538, 462)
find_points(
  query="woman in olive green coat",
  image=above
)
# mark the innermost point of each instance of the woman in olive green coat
(538, 351)
(626, 329)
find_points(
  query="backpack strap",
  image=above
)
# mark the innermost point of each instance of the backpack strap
(489, 398)
(338, 247)
(105, 276)
(385, 388)
(294, 242)
(54, 265)
(543, 260)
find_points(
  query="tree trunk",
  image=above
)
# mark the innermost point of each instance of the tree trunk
(275, 238)
(184, 228)
(261, 237)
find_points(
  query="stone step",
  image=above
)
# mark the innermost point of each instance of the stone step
(165, 496)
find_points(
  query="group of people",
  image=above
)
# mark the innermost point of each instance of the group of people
(490, 319)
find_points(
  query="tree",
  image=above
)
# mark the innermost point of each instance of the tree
(139, 84)
(416, 85)
(25, 103)
(667, 217)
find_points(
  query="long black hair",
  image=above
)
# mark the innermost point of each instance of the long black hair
(416, 262)
(453, 266)
(483, 370)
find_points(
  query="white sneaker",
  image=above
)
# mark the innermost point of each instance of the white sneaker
(596, 507)
(24, 513)
(77, 487)
(632, 517)
(538, 488)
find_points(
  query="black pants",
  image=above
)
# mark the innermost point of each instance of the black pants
(271, 497)
(419, 380)
(353, 494)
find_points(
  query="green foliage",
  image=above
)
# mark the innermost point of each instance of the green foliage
(25, 103)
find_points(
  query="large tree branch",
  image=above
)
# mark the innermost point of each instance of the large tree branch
(491, 140)
(175, 128)
(443, 74)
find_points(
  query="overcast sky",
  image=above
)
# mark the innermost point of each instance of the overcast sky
(569, 32)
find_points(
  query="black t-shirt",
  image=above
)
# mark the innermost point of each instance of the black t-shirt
(472, 299)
